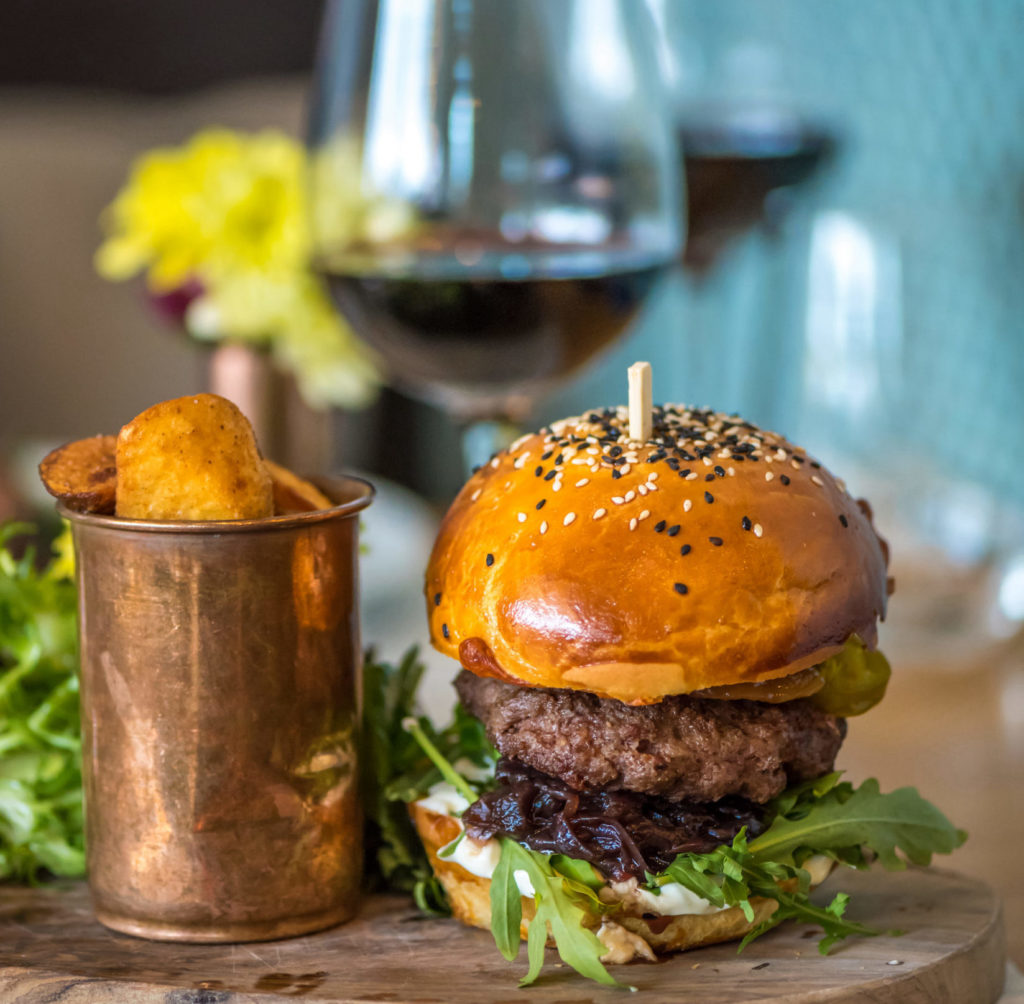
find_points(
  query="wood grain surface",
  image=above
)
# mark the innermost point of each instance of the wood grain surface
(52, 948)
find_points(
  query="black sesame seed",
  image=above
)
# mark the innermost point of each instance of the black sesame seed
(548, 455)
(490, 560)
(444, 630)
(659, 527)
(615, 451)
(550, 475)
(709, 477)
(616, 475)
(745, 523)
(784, 478)
(685, 550)
(437, 599)
(673, 530)
(709, 498)
(816, 465)
(540, 504)
(685, 472)
(719, 470)
(475, 469)
(717, 541)
(559, 459)
(680, 588)
(538, 471)
(843, 520)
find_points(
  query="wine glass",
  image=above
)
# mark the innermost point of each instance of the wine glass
(495, 188)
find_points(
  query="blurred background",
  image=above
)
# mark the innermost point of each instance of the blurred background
(853, 174)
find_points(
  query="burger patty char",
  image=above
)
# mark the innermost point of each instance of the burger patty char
(681, 748)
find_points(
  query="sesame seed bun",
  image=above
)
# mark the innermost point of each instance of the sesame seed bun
(714, 554)
(470, 900)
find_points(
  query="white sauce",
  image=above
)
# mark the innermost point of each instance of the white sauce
(481, 859)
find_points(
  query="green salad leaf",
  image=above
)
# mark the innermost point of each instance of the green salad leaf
(41, 825)
(396, 770)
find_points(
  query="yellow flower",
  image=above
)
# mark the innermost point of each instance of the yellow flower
(223, 203)
(229, 211)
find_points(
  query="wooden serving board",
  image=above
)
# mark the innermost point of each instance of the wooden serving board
(52, 948)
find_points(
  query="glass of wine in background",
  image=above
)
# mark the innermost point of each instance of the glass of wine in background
(495, 188)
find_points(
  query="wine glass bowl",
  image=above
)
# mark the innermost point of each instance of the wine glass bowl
(507, 189)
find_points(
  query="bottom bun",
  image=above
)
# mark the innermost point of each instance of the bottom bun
(628, 937)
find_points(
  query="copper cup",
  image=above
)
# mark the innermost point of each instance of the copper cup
(220, 704)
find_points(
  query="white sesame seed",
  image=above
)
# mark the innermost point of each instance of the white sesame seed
(692, 476)
(598, 513)
(687, 504)
(618, 499)
(722, 454)
(642, 489)
(780, 454)
(521, 516)
(707, 461)
(653, 476)
(731, 471)
(518, 463)
(632, 523)
(769, 459)
(582, 482)
(495, 461)
(794, 465)
(625, 468)
(758, 530)
(593, 451)
(570, 517)
(475, 495)
(519, 442)
(768, 475)
(816, 480)
(579, 460)
(644, 514)
(556, 485)
(651, 487)
(630, 495)
(544, 527)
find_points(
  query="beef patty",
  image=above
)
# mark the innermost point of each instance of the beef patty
(681, 748)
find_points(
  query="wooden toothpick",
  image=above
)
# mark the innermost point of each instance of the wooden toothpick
(640, 402)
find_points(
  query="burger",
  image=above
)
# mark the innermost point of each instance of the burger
(663, 640)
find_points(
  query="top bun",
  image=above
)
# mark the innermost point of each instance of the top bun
(711, 555)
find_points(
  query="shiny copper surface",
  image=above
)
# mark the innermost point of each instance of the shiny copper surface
(220, 666)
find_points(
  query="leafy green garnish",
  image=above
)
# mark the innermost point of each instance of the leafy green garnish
(826, 817)
(40, 747)
(396, 770)
(844, 819)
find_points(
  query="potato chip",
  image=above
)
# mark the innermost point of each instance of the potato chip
(82, 474)
(192, 458)
(293, 494)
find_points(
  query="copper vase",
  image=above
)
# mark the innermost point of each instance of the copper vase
(220, 703)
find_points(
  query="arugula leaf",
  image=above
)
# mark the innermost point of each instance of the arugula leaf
(560, 906)
(41, 824)
(841, 819)
(506, 907)
(395, 770)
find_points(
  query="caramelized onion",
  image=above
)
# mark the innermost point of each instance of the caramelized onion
(622, 833)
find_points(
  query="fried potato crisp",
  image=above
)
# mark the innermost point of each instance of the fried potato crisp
(193, 458)
(83, 474)
(293, 494)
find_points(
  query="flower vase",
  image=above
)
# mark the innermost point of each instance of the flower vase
(287, 429)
